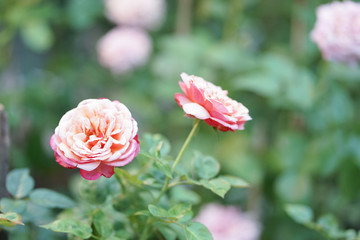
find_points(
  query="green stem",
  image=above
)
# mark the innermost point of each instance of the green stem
(177, 160)
(144, 234)
(123, 187)
(146, 230)
(186, 143)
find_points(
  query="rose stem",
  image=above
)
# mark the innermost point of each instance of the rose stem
(166, 184)
(177, 160)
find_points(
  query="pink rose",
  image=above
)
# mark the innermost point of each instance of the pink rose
(337, 31)
(96, 136)
(204, 100)
(123, 49)
(148, 14)
(229, 223)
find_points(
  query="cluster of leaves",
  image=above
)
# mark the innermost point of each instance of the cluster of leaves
(327, 224)
(29, 205)
(131, 205)
(34, 19)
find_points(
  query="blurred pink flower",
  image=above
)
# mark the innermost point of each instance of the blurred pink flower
(123, 49)
(229, 223)
(96, 136)
(148, 14)
(206, 101)
(337, 31)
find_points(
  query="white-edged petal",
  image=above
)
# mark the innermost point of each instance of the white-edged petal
(196, 110)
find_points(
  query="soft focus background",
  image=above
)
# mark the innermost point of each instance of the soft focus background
(302, 145)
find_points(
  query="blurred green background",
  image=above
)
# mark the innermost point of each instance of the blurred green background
(302, 145)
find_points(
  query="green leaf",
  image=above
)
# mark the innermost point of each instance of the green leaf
(10, 219)
(102, 224)
(83, 13)
(159, 164)
(125, 176)
(235, 181)
(330, 225)
(180, 210)
(299, 213)
(328, 222)
(37, 35)
(70, 226)
(94, 192)
(293, 186)
(183, 194)
(168, 233)
(19, 183)
(158, 211)
(123, 234)
(197, 231)
(155, 144)
(206, 166)
(142, 213)
(163, 167)
(51, 199)
(10, 205)
(351, 235)
(218, 186)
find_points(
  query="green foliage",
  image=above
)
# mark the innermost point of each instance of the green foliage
(235, 181)
(50, 199)
(206, 166)
(19, 183)
(218, 185)
(184, 194)
(93, 192)
(10, 219)
(300, 213)
(37, 35)
(176, 212)
(13, 205)
(139, 202)
(29, 206)
(197, 231)
(326, 225)
(102, 224)
(72, 226)
(83, 13)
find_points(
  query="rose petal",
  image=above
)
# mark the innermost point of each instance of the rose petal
(194, 109)
(102, 169)
(89, 166)
(181, 99)
(204, 100)
(63, 161)
(97, 131)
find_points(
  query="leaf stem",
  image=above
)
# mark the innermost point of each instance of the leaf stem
(146, 229)
(123, 187)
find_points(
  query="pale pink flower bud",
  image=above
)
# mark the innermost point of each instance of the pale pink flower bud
(148, 14)
(337, 31)
(123, 49)
(206, 101)
(96, 136)
(229, 223)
